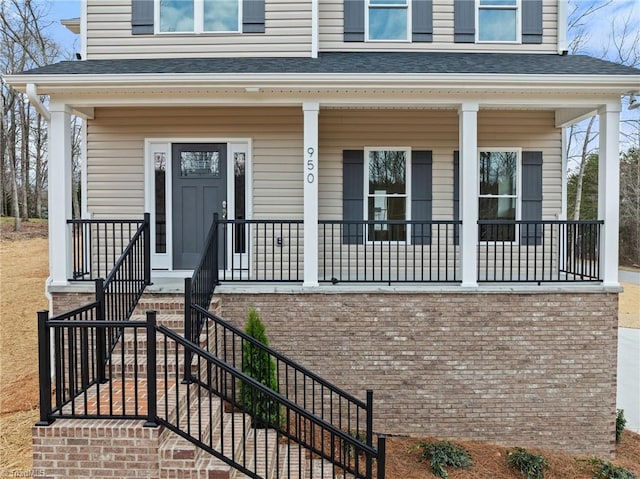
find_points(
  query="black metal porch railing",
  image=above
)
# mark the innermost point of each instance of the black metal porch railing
(261, 250)
(97, 245)
(215, 383)
(539, 251)
(388, 251)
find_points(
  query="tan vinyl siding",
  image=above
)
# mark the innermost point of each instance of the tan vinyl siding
(115, 148)
(331, 33)
(287, 24)
(116, 173)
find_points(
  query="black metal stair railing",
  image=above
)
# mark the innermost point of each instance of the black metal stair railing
(82, 340)
(302, 388)
(215, 384)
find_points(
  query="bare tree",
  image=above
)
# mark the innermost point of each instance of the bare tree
(622, 47)
(23, 45)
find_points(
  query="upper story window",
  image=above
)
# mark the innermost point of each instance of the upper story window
(498, 21)
(387, 20)
(199, 16)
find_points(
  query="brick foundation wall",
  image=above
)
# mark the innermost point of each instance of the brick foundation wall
(63, 302)
(526, 369)
(96, 449)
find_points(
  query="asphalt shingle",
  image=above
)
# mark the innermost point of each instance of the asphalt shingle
(350, 63)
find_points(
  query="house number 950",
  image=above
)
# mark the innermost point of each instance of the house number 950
(311, 166)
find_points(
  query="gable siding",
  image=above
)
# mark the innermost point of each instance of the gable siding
(288, 33)
(331, 33)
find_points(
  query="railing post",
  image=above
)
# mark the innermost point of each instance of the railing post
(369, 430)
(215, 245)
(382, 451)
(188, 331)
(101, 333)
(152, 392)
(44, 368)
(147, 249)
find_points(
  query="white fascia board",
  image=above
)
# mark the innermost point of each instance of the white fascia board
(597, 83)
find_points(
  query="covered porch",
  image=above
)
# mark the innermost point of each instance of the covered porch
(394, 174)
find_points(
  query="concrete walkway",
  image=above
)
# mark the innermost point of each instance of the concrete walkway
(629, 376)
(629, 365)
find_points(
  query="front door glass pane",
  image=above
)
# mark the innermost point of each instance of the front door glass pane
(239, 176)
(160, 167)
(200, 164)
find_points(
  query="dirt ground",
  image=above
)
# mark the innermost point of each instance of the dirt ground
(23, 269)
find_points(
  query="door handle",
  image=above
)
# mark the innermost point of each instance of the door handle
(224, 209)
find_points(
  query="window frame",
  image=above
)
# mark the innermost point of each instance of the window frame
(518, 33)
(517, 196)
(198, 21)
(406, 195)
(367, 8)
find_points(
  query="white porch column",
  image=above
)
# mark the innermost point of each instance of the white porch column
(609, 190)
(59, 193)
(310, 179)
(468, 182)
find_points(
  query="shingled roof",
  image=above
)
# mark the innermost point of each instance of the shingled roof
(352, 63)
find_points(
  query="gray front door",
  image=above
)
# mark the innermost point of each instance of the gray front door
(199, 189)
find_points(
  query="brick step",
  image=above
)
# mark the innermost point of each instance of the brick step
(167, 303)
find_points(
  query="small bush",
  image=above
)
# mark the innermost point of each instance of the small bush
(606, 470)
(443, 454)
(349, 448)
(261, 367)
(530, 465)
(621, 422)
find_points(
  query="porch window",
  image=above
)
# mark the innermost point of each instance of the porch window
(386, 180)
(387, 20)
(498, 20)
(498, 193)
(199, 16)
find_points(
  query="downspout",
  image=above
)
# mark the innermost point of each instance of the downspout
(34, 99)
(314, 28)
(563, 45)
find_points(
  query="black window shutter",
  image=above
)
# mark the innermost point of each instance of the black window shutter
(354, 20)
(253, 16)
(142, 17)
(531, 21)
(422, 20)
(456, 196)
(464, 21)
(531, 197)
(353, 196)
(421, 196)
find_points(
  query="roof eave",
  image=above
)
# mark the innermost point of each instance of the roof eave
(605, 84)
